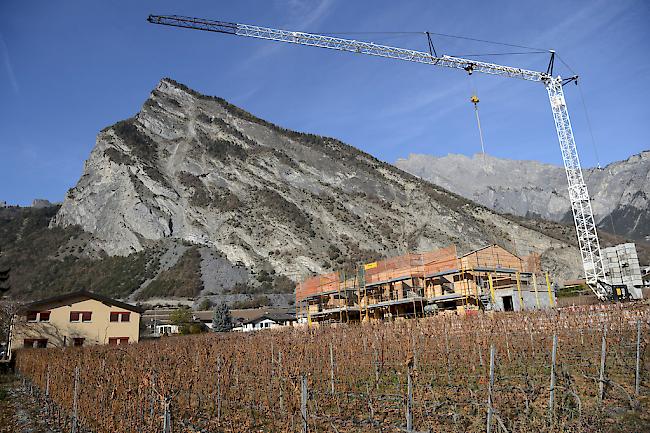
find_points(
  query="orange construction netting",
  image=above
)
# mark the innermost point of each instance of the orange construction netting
(414, 264)
(419, 265)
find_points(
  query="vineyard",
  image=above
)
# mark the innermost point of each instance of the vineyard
(578, 370)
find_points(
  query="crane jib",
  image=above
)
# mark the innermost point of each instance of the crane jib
(585, 224)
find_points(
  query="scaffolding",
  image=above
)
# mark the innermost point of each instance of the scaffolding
(418, 284)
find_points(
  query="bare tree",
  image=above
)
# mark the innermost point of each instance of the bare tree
(7, 310)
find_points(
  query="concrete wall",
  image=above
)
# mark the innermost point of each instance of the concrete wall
(60, 331)
(530, 300)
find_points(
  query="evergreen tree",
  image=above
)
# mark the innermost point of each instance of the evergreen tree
(221, 321)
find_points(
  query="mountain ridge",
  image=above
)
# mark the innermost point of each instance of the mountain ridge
(220, 204)
(619, 190)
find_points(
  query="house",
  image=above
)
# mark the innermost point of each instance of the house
(75, 319)
(418, 284)
(253, 319)
(157, 321)
(261, 318)
(205, 317)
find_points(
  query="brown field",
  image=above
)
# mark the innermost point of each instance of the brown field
(252, 382)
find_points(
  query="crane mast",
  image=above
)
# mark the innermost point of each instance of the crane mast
(583, 216)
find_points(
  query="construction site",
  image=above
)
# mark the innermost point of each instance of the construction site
(421, 284)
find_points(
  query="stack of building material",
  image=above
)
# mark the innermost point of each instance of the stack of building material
(621, 264)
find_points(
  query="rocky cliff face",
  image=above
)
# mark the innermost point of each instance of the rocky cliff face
(620, 190)
(258, 199)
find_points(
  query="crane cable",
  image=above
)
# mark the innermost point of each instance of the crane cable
(475, 100)
(591, 134)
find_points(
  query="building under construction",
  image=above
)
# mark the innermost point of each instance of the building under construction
(419, 284)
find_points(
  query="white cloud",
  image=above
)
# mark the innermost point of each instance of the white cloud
(303, 14)
(8, 66)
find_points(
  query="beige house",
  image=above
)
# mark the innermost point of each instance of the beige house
(75, 319)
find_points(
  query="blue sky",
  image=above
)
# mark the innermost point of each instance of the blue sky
(70, 68)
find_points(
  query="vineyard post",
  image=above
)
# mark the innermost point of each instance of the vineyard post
(371, 411)
(447, 352)
(281, 381)
(376, 362)
(490, 385)
(47, 382)
(637, 377)
(414, 350)
(551, 398)
(47, 392)
(303, 403)
(152, 395)
(167, 417)
(75, 401)
(331, 369)
(603, 354)
(219, 388)
(409, 401)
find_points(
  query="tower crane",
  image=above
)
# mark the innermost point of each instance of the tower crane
(583, 216)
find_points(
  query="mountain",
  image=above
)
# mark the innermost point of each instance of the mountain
(195, 197)
(620, 191)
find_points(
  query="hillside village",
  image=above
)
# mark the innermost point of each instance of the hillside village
(416, 285)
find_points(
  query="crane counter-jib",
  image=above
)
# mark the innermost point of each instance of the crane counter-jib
(580, 201)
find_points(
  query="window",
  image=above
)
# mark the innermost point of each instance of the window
(35, 342)
(115, 341)
(36, 316)
(507, 303)
(118, 316)
(78, 341)
(83, 316)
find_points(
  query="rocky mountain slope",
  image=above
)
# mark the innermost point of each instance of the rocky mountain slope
(620, 190)
(195, 197)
